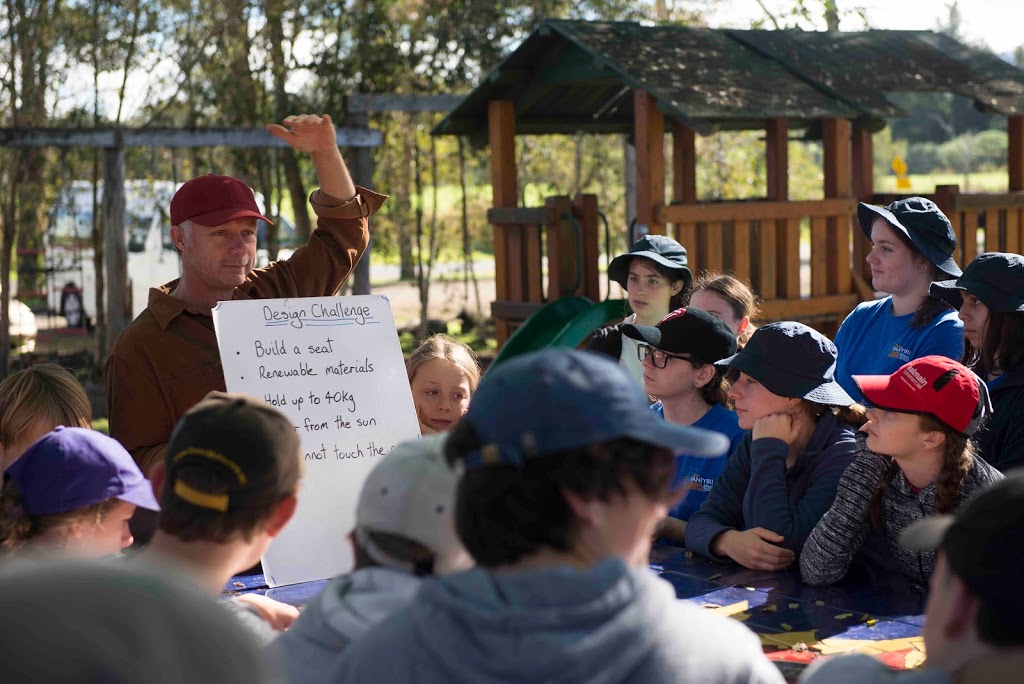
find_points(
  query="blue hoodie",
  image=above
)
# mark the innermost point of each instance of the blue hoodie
(603, 625)
(756, 489)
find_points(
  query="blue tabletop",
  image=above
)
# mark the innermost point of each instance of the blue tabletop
(779, 606)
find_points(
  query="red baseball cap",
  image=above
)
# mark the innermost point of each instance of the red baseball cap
(933, 385)
(213, 200)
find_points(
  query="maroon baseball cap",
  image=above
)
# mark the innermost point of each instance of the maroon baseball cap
(931, 385)
(213, 200)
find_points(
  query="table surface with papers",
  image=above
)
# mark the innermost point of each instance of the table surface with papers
(797, 623)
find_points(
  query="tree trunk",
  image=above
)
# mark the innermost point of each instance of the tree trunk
(6, 252)
(118, 293)
(407, 269)
(279, 72)
(362, 174)
(421, 283)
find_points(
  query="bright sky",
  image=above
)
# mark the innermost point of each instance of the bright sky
(996, 23)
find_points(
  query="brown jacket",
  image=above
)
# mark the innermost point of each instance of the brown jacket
(167, 359)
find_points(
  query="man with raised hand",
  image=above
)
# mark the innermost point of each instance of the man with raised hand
(167, 360)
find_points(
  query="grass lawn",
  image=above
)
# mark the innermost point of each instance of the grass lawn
(988, 181)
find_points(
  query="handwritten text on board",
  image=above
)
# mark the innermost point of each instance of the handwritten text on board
(335, 367)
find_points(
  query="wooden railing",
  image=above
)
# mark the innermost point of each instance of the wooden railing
(982, 222)
(562, 235)
(761, 242)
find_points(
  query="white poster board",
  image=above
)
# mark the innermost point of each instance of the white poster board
(335, 367)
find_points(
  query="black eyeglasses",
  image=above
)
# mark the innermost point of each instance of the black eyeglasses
(658, 357)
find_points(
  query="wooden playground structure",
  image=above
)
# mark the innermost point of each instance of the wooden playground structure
(649, 82)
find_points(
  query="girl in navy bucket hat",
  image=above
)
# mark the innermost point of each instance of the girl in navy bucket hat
(783, 476)
(990, 299)
(915, 459)
(656, 279)
(912, 246)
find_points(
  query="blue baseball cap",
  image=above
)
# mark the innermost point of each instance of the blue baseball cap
(555, 400)
(71, 468)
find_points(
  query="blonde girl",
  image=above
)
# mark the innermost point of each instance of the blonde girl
(443, 374)
(35, 400)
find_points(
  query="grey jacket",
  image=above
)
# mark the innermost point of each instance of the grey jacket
(608, 624)
(841, 532)
(340, 614)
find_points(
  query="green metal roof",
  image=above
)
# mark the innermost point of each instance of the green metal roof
(862, 67)
(578, 76)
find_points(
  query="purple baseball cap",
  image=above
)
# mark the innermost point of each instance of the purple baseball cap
(70, 468)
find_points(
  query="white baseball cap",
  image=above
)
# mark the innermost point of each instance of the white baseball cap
(411, 493)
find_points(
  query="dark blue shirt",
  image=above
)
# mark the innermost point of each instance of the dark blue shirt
(696, 474)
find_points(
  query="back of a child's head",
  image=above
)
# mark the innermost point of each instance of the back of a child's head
(406, 509)
(230, 461)
(74, 622)
(36, 400)
(445, 348)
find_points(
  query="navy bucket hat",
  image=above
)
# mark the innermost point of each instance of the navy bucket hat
(555, 400)
(923, 223)
(996, 278)
(794, 361)
(660, 249)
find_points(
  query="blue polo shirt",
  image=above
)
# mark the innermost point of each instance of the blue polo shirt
(701, 473)
(872, 341)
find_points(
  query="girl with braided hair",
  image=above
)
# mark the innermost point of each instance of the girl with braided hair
(915, 458)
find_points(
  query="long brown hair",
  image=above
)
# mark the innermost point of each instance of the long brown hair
(17, 528)
(1002, 347)
(737, 294)
(957, 456)
(932, 307)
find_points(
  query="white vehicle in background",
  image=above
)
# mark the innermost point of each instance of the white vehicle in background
(152, 258)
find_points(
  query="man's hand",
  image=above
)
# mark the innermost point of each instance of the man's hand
(754, 548)
(307, 133)
(778, 425)
(279, 615)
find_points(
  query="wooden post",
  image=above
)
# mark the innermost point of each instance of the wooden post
(584, 209)
(362, 174)
(777, 153)
(864, 191)
(945, 199)
(649, 125)
(1015, 153)
(502, 131)
(684, 164)
(766, 273)
(838, 183)
(561, 243)
(115, 248)
(684, 186)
